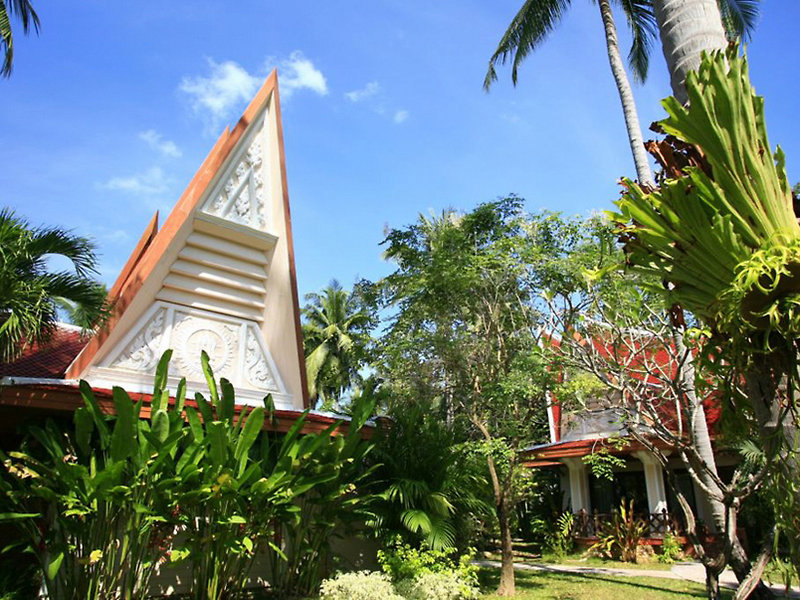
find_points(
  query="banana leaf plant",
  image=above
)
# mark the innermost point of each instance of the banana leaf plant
(721, 232)
(89, 500)
(339, 502)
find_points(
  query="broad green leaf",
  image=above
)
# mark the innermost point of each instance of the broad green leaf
(228, 400)
(249, 434)
(180, 395)
(209, 375)
(218, 443)
(160, 427)
(84, 425)
(160, 381)
(124, 433)
(94, 409)
(53, 565)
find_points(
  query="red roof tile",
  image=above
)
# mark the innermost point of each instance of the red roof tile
(48, 361)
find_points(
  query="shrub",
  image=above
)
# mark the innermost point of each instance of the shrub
(619, 539)
(670, 549)
(447, 585)
(404, 562)
(362, 585)
(561, 540)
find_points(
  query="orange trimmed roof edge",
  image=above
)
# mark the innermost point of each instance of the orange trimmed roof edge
(128, 284)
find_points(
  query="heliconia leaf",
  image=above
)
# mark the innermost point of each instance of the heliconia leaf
(218, 442)
(204, 407)
(160, 381)
(84, 425)
(124, 433)
(160, 426)
(228, 400)
(195, 425)
(180, 395)
(209, 375)
(53, 565)
(94, 409)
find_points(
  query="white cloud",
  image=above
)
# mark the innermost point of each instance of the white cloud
(369, 90)
(151, 182)
(217, 96)
(297, 73)
(227, 86)
(400, 116)
(157, 142)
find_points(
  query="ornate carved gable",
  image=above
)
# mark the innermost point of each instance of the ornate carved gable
(218, 277)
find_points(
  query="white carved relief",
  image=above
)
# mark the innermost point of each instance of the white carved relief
(143, 351)
(192, 334)
(241, 198)
(257, 370)
(235, 346)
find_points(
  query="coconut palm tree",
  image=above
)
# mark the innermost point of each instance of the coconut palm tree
(335, 334)
(24, 11)
(537, 19)
(688, 28)
(30, 293)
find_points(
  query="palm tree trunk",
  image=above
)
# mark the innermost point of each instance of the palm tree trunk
(640, 160)
(688, 28)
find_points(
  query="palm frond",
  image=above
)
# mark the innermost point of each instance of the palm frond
(28, 17)
(416, 521)
(644, 30)
(739, 17)
(529, 28)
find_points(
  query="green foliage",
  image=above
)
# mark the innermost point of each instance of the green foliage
(362, 585)
(90, 502)
(561, 540)
(602, 463)
(100, 505)
(670, 549)
(333, 499)
(30, 292)
(619, 538)
(25, 13)
(447, 585)
(402, 561)
(718, 233)
(336, 329)
(431, 483)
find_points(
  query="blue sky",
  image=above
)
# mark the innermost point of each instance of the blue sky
(112, 108)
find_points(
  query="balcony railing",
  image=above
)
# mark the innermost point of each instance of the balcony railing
(587, 525)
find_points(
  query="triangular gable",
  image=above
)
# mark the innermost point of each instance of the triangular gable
(219, 276)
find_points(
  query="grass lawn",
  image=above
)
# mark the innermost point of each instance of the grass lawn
(569, 586)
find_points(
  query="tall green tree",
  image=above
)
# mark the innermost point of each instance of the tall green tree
(23, 9)
(466, 328)
(30, 292)
(336, 330)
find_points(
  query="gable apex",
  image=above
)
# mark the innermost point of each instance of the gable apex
(219, 276)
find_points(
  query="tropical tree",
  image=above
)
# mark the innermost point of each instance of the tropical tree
(537, 19)
(335, 336)
(30, 293)
(465, 334)
(24, 11)
(722, 235)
